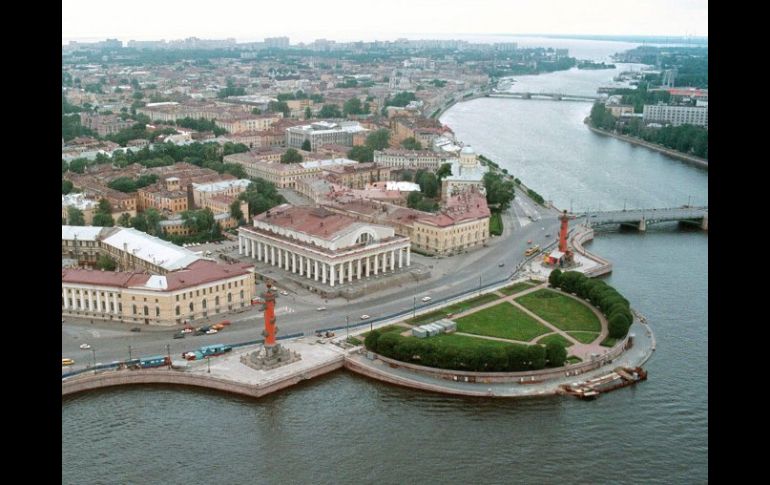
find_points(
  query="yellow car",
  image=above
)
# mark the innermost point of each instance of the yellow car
(67, 362)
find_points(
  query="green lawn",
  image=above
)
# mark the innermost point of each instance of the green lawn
(563, 312)
(584, 337)
(496, 224)
(452, 309)
(609, 342)
(573, 359)
(555, 338)
(504, 321)
(462, 341)
(516, 288)
(388, 328)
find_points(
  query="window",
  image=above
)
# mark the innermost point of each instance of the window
(229, 297)
(134, 309)
(216, 300)
(204, 303)
(157, 311)
(192, 307)
(146, 311)
(241, 294)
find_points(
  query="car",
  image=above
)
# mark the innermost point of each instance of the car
(426, 298)
(548, 235)
(529, 241)
(501, 265)
(284, 292)
(211, 330)
(136, 329)
(364, 317)
(187, 330)
(321, 308)
(179, 335)
(67, 362)
(85, 346)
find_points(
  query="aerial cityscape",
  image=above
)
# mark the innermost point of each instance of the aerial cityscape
(339, 255)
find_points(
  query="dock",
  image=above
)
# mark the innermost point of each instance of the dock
(591, 389)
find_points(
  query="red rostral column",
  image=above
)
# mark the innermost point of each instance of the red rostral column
(269, 299)
(563, 232)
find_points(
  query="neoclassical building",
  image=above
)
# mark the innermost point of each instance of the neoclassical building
(322, 245)
(467, 173)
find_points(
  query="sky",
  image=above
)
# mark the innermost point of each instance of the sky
(345, 20)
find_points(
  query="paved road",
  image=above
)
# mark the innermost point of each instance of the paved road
(297, 311)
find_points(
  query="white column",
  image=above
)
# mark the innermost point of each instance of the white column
(408, 255)
(315, 273)
(400, 258)
(323, 273)
(367, 266)
(272, 255)
(376, 263)
(342, 269)
(82, 300)
(294, 262)
(265, 256)
(240, 245)
(301, 266)
(246, 246)
(90, 301)
(393, 260)
(253, 249)
(350, 271)
(98, 302)
(66, 300)
(332, 269)
(115, 303)
(286, 260)
(259, 251)
(358, 272)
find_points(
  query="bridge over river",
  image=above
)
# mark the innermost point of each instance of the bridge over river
(641, 218)
(548, 96)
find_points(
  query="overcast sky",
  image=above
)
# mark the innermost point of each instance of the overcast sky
(306, 20)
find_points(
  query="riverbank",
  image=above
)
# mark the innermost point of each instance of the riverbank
(696, 161)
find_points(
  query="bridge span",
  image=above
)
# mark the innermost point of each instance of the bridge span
(548, 96)
(641, 218)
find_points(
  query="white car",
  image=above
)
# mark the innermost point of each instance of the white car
(426, 298)
(212, 330)
(284, 292)
(85, 346)
(364, 317)
(321, 308)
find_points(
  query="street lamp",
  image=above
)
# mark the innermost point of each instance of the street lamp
(208, 361)
(168, 351)
(414, 307)
(479, 285)
(347, 322)
(93, 351)
(129, 352)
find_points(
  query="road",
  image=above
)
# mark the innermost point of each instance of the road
(298, 312)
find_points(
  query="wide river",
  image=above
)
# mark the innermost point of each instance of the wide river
(346, 429)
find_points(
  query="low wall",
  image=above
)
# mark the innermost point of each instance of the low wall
(582, 235)
(89, 382)
(692, 160)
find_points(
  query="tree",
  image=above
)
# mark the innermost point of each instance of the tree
(618, 326)
(428, 183)
(106, 262)
(153, 218)
(500, 192)
(103, 219)
(124, 220)
(235, 210)
(306, 145)
(444, 170)
(279, 107)
(378, 140)
(411, 144)
(352, 107)
(291, 156)
(556, 354)
(330, 111)
(361, 153)
(75, 216)
(554, 278)
(66, 187)
(308, 113)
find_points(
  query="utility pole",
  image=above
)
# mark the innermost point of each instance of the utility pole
(414, 306)
(93, 351)
(347, 322)
(168, 351)
(129, 352)
(479, 285)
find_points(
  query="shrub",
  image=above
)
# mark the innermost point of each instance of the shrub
(371, 340)
(554, 279)
(556, 354)
(618, 326)
(536, 355)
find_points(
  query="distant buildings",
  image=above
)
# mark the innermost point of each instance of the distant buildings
(324, 132)
(412, 159)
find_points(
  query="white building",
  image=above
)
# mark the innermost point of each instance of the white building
(323, 245)
(323, 132)
(676, 115)
(467, 172)
(420, 159)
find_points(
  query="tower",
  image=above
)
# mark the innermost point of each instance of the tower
(268, 297)
(273, 354)
(563, 232)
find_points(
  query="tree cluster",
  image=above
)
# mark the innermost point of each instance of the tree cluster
(261, 195)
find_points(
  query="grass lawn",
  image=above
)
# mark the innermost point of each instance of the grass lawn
(555, 338)
(452, 309)
(516, 288)
(609, 342)
(563, 312)
(584, 337)
(462, 341)
(504, 321)
(574, 359)
(355, 341)
(388, 328)
(495, 224)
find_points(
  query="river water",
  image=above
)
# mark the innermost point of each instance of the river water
(346, 429)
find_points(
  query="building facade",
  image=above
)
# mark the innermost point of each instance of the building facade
(322, 245)
(323, 132)
(676, 115)
(412, 159)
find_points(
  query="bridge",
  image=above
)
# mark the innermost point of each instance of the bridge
(549, 96)
(641, 218)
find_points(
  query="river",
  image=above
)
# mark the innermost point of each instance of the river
(346, 429)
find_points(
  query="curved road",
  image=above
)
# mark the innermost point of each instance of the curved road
(298, 312)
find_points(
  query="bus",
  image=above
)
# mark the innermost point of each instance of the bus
(534, 249)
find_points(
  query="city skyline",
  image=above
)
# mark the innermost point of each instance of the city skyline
(92, 20)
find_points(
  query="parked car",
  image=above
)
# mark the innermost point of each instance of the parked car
(179, 335)
(211, 330)
(364, 317)
(321, 308)
(426, 298)
(284, 292)
(85, 346)
(501, 265)
(67, 362)
(136, 329)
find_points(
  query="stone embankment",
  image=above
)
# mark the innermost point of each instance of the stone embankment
(581, 235)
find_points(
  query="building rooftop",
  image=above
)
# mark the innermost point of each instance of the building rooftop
(154, 250)
(221, 185)
(81, 233)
